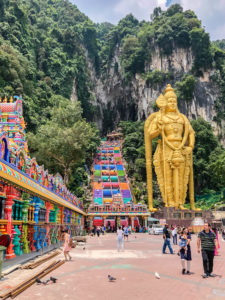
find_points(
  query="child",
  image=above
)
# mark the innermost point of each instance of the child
(183, 249)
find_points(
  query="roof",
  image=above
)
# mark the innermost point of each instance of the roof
(152, 219)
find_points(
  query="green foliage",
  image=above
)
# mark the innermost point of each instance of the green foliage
(200, 44)
(132, 57)
(205, 156)
(42, 53)
(65, 140)
(157, 77)
(220, 44)
(185, 88)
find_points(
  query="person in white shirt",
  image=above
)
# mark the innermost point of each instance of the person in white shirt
(174, 234)
(120, 235)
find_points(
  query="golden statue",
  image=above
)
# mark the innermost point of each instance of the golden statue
(173, 156)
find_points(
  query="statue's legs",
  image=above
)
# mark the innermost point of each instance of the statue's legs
(182, 185)
(169, 184)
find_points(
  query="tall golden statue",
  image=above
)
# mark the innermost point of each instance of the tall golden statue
(173, 156)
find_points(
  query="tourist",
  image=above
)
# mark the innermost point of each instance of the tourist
(208, 242)
(120, 235)
(174, 235)
(166, 237)
(126, 233)
(66, 246)
(98, 231)
(185, 250)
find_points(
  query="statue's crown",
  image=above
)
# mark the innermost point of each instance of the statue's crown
(169, 92)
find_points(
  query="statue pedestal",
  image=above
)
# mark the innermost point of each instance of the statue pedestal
(181, 217)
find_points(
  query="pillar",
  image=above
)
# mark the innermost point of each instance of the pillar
(37, 204)
(8, 215)
(132, 223)
(55, 213)
(25, 210)
(48, 206)
(16, 240)
(146, 222)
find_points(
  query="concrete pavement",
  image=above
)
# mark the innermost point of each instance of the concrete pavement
(85, 277)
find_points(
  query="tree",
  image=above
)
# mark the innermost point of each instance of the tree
(64, 140)
(206, 147)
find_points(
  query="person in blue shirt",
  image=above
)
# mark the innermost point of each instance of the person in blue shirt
(126, 233)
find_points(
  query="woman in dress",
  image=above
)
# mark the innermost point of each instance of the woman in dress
(185, 250)
(66, 246)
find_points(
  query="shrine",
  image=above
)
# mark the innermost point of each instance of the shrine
(34, 205)
(113, 203)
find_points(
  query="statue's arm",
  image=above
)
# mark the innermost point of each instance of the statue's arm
(154, 129)
(191, 133)
(191, 137)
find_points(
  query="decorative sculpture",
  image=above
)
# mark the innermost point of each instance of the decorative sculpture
(173, 156)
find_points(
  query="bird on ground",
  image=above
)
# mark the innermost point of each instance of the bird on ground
(157, 275)
(84, 248)
(135, 237)
(38, 281)
(111, 279)
(53, 279)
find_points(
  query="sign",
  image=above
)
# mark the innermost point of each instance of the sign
(162, 221)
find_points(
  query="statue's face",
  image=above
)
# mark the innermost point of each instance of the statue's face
(172, 104)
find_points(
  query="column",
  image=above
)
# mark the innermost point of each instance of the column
(132, 223)
(37, 204)
(48, 206)
(55, 213)
(8, 215)
(146, 222)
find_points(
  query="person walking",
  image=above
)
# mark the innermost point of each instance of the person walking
(66, 246)
(208, 243)
(120, 235)
(174, 235)
(185, 250)
(166, 237)
(126, 233)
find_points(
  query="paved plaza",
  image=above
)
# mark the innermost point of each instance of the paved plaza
(85, 277)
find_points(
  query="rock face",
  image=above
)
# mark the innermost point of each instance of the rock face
(117, 100)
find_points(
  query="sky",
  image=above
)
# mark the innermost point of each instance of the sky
(210, 12)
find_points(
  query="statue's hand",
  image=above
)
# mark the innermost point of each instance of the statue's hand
(188, 150)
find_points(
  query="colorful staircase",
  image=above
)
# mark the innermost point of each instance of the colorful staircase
(110, 182)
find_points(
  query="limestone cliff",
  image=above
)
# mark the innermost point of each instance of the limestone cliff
(117, 100)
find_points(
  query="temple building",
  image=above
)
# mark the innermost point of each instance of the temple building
(113, 203)
(34, 205)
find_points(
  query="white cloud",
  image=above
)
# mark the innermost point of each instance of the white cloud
(141, 9)
(211, 13)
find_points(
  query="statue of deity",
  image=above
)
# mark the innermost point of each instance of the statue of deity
(173, 156)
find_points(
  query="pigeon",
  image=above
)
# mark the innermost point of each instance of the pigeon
(111, 279)
(135, 237)
(45, 282)
(53, 279)
(38, 281)
(157, 275)
(84, 248)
